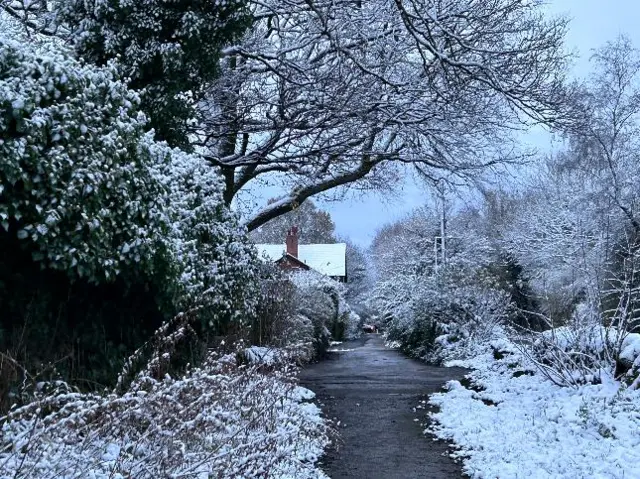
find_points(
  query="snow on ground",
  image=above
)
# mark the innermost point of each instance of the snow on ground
(527, 427)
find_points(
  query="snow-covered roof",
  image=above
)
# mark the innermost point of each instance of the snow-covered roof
(328, 259)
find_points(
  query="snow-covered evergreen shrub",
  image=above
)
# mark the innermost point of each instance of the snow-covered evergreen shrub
(82, 182)
(74, 181)
(204, 238)
(109, 215)
(169, 51)
(320, 299)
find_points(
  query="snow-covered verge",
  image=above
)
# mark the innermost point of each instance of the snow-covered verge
(223, 419)
(509, 420)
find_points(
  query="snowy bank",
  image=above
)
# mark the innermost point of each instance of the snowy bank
(512, 422)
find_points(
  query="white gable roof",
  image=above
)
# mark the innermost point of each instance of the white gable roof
(328, 259)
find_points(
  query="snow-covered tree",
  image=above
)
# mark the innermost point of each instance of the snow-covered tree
(168, 51)
(333, 95)
(329, 95)
(359, 274)
(406, 246)
(575, 228)
(428, 304)
(314, 226)
(557, 236)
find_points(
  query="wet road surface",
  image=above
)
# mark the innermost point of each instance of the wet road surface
(372, 391)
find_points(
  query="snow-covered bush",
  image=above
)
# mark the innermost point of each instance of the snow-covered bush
(581, 351)
(81, 258)
(104, 233)
(74, 181)
(486, 311)
(92, 192)
(628, 361)
(275, 309)
(570, 357)
(204, 238)
(320, 301)
(438, 319)
(278, 322)
(219, 420)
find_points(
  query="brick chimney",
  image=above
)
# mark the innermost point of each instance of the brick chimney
(292, 241)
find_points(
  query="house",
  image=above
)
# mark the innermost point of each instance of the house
(328, 259)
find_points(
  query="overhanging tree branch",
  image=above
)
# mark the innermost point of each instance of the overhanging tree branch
(301, 193)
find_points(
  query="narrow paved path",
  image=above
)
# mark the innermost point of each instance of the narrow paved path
(372, 391)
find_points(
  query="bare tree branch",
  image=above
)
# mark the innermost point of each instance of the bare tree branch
(443, 84)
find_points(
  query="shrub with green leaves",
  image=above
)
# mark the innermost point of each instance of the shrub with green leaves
(203, 236)
(95, 195)
(169, 51)
(103, 231)
(74, 181)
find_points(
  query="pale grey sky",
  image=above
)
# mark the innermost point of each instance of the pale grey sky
(593, 23)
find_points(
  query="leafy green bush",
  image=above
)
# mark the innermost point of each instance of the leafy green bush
(169, 51)
(211, 251)
(104, 233)
(74, 183)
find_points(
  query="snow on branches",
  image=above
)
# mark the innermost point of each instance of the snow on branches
(337, 94)
(222, 419)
